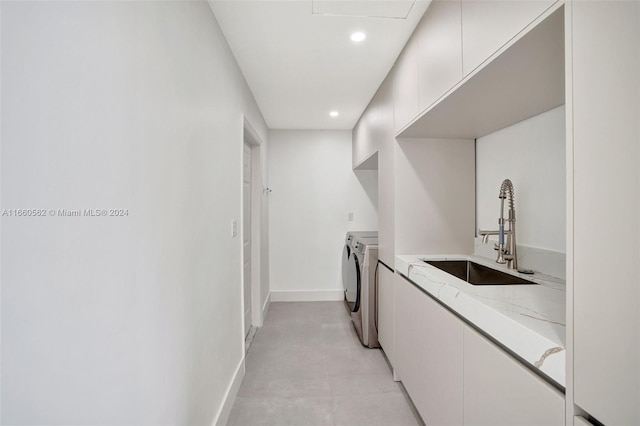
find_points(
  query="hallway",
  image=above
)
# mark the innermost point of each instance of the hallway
(306, 366)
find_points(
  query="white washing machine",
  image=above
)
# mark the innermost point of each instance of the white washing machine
(360, 289)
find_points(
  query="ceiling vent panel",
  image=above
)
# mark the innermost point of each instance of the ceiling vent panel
(391, 9)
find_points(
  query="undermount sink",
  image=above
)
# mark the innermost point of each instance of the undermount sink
(476, 274)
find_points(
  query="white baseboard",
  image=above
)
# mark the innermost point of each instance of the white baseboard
(307, 295)
(230, 397)
(265, 307)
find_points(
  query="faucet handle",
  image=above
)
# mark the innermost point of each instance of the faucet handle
(485, 235)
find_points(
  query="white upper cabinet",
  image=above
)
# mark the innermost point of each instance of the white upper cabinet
(406, 103)
(364, 144)
(356, 137)
(439, 36)
(526, 79)
(386, 174)
(487, 25)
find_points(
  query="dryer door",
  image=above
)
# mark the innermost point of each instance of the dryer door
(346, 253)
(352, 282)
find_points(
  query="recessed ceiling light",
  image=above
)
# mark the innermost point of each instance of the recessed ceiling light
(334, 113)
(358, 36)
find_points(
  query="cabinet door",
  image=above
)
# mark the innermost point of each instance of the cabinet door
(386, 314)
(405, 85)
(428, 355)
(364, 144)
(386, 174)
(356, 143)
(605, 53)
(498, 390)
(487, 25)
(439, 50)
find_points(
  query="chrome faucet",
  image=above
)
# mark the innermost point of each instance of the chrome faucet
(507, 253)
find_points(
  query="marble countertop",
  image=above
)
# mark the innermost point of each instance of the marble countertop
(529, 320)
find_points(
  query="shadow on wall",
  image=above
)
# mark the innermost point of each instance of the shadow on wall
(434, 196)
(369, 181)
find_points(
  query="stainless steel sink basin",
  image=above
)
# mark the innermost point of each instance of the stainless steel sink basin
(476, 274)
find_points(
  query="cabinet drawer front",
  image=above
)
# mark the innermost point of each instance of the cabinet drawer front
(498, 390)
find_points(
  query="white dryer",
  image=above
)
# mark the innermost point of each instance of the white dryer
(349, 273)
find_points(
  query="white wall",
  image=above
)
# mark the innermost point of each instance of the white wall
(120, 320)
(434, 196)
(532, 154)
(314, 188)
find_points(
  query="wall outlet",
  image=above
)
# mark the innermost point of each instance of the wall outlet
(234, 228)
(350, 216)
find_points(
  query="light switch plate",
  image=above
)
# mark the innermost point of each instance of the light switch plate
(350, 216)
(234, 228)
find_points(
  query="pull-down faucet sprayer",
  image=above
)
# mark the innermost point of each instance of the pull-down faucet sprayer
(507, 253)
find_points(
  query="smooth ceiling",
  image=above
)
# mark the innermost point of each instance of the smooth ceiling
(299, 60)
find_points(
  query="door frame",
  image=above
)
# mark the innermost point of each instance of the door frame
(246, 234)
(258, 204)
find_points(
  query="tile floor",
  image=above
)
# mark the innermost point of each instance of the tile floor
(306, 367)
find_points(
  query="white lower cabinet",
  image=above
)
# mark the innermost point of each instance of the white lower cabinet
(498, 390)
(454, 375)
(386, 306)
(428, 355)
